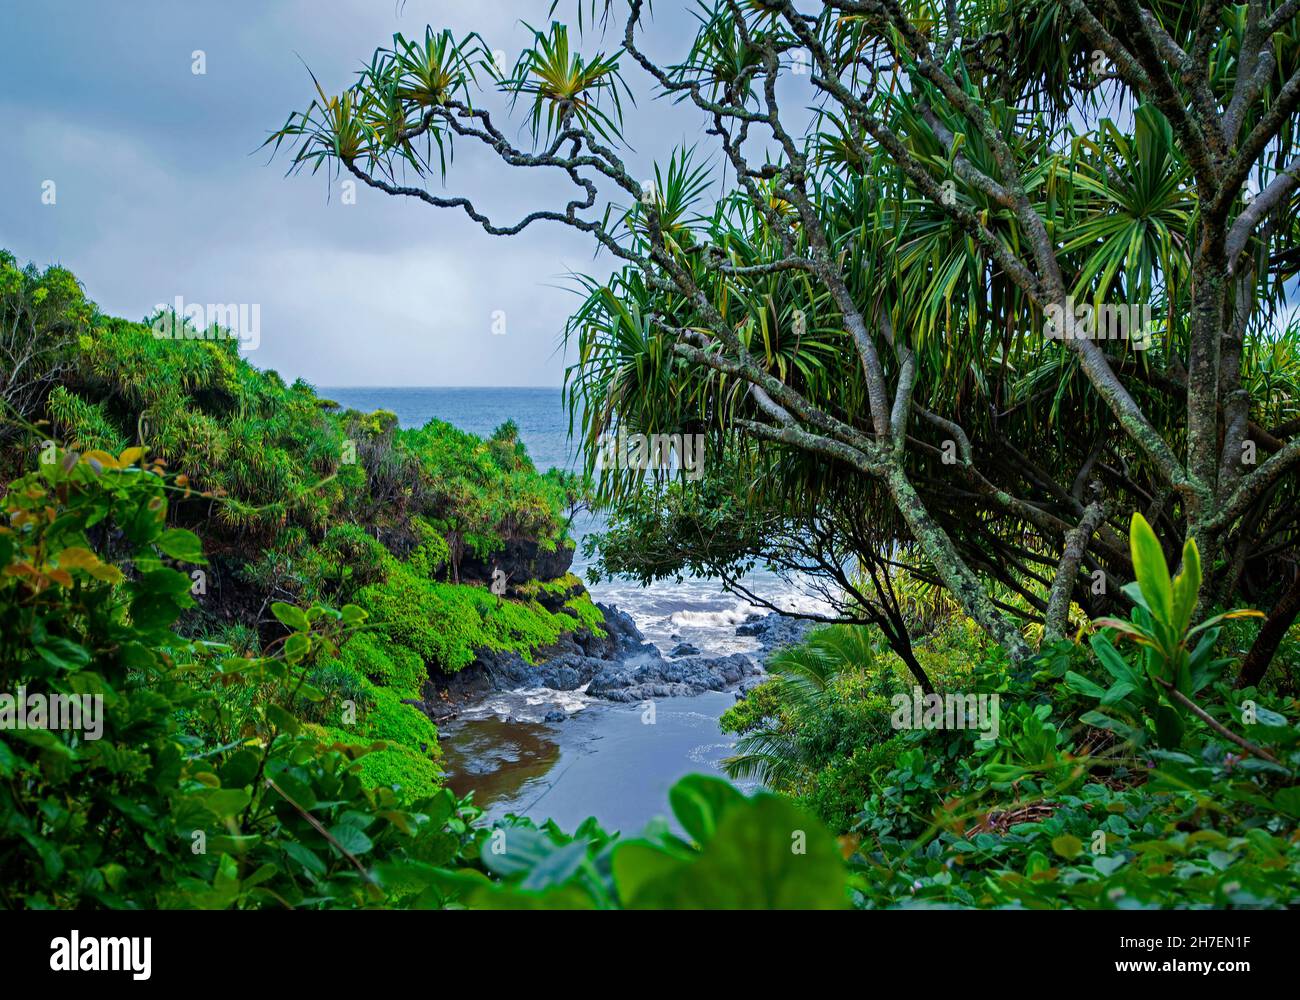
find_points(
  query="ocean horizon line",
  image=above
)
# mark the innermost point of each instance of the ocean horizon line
(547, 387)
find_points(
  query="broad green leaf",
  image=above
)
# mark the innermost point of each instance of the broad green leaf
(351, 839)
(305, 856)
(226, 802)
(1111, 659)
(1186, 587)
(766, 853)
(514, 850)
(181, 544)
(556, 867)
(63, 653)
(291, 617)
(1169, 727)
(1077, 682)
(699, 802)
(1151, 568)
(239, 769)
(1067, 846)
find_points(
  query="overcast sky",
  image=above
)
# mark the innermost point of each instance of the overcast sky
(161, 190)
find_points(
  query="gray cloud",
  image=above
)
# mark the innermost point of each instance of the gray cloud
(162, 190)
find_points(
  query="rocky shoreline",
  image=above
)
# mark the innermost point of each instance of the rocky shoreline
(620, 666)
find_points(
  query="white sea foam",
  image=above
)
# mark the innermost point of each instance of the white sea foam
(710, 753)
(569, 701)
(711, 619)
(528, 704)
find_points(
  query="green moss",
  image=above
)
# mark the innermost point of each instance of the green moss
(554, 588)
(412, 754)
(444, 623)
(385, 663)
(393, 721)
(585, 611)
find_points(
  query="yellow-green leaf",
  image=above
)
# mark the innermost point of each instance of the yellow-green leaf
(1151, 569)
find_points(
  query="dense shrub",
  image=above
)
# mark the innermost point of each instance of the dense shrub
(820, 728)
(178, 794)
(301, 503)
(1102, 787)
(445, 623)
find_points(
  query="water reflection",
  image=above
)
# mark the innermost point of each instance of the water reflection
(606, 760)
(494, 758)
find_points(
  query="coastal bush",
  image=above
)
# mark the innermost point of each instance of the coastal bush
(1124, 771)
(356, 558)
(820, 727)
(279, 456)
(165, 795)
(302, 503)
(1167, 788)
(446, 623)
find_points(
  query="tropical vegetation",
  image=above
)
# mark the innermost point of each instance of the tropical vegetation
(992, 349)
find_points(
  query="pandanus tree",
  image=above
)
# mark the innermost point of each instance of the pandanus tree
(1021, 273)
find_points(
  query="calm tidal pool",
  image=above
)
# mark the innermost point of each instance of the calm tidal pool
(603, 761)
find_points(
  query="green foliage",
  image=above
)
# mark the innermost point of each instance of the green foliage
(170, 798)
(316, 496)
(760, 852)
(1070, 807)
(432, 553)
(179, 797)
(1171, 670)
(820, 728)
(44, 317)
(445, 623)
(484, 494)
(305, 503)
(1071, 803)
(584, 611)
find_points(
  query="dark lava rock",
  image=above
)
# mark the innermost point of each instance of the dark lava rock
(555, 715)
(619, 666)
(684, 649)
(521, 559)
(641, 677)
(620, 627)
(774, 631)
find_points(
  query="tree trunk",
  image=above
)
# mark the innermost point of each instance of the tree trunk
(1254, 666)
(907, 656)
(1057, 617)
(961, 581)
(894, 629)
